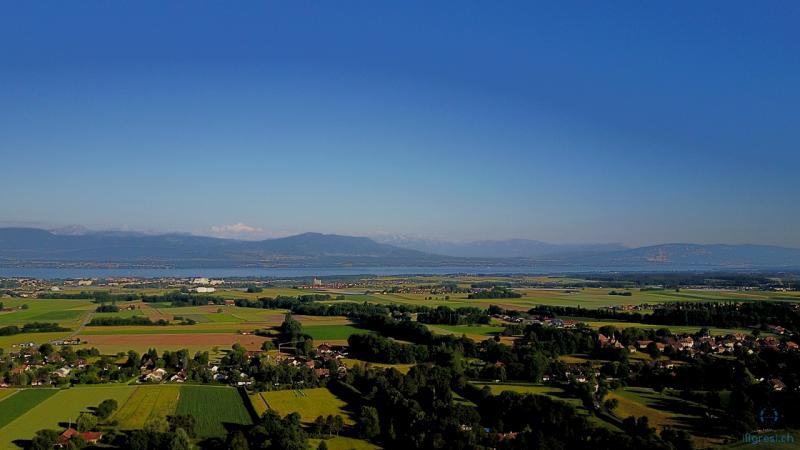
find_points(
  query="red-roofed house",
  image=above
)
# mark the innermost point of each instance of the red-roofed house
(91, 437)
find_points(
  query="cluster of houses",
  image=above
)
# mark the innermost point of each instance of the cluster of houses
(317, 363)
(704, 344)
(323, 354)
(317, 283)
(537, 320)
(628, 308)
(40, 368)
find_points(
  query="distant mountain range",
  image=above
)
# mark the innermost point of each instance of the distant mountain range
(509, 248)
(30, 246)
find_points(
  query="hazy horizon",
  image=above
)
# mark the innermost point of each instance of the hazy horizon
(246, 233)
(633, 123)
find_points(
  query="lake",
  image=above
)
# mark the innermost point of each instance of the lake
(266, 272)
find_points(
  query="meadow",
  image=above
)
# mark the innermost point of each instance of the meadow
(553, 392)
(343, 443)
(522, 388)
(332, 333)
(147, 402)
(663, 410)
(55, 410)
(309, 403)
(402, 368)
(15, 403)
(476, 332)
(7, 392)
(213, 407)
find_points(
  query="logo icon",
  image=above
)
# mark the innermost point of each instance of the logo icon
(768, 416)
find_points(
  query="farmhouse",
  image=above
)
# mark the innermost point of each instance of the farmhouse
(91, 437)
(154, 375)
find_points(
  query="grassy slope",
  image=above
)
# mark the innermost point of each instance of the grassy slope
(312, 403)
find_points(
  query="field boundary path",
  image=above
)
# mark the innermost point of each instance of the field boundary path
(85, 320)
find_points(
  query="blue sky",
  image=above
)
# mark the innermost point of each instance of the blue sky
(629, 122)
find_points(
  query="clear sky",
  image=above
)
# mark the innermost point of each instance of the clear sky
(633, 122)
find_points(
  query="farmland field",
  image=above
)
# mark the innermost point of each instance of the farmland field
(112, 343)
(58, 407)
(212, 407)
(6, 392)
(259, 404)
(591, 298)
(344, 443)
(521, 388)
(67, 313)
(662, 410)
(595, 323)
(402, 368)
(309, 403)
(332, 332)
(21, 402)
(478, 332)
(147, 402)
(553, 392)
(220, 326)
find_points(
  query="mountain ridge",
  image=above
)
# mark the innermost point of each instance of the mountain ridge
(25, 245)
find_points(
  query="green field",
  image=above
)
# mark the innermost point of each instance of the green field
(595, 323)
(332, 332)
(20, 402)
(344, 443)
(662, 410)
(7, 392)
(147, 402)
(522, 388)
(590, 298)
(402, 368)
(59, 407)
(212, 407)
(65, 312)
(553, 392)
(30, 410)
(309, 403)
(259, 404)
(478, 331)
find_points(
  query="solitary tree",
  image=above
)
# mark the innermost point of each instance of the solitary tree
(86, 422)
(106, 408)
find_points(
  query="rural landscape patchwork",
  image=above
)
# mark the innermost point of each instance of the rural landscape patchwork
(662, 361)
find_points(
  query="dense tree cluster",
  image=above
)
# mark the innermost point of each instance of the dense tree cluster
(97, 296)
(458, 316)
(107, 308)
(495, 292)
(32, 327)
(375, 348)
(718, 314)
(118, 321)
